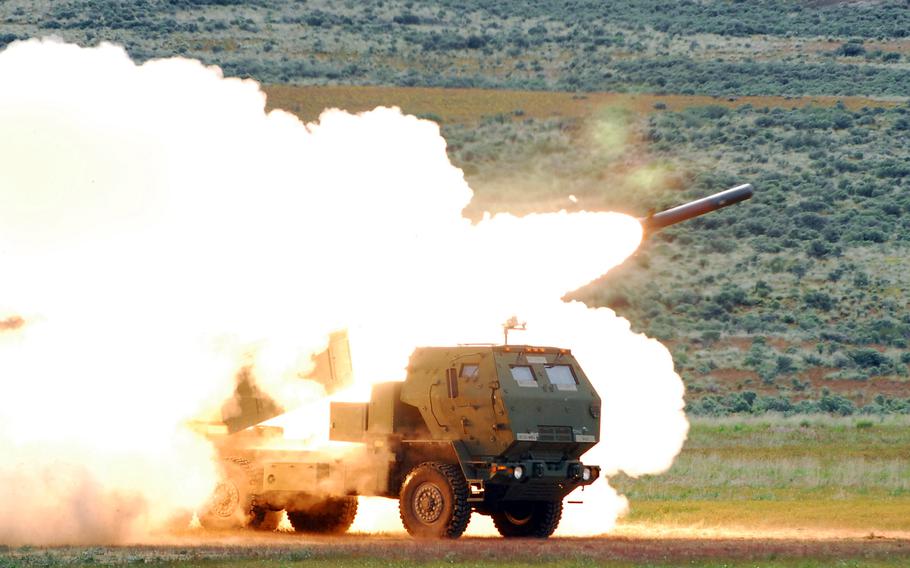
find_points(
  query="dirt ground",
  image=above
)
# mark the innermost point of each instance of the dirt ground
(631, 544)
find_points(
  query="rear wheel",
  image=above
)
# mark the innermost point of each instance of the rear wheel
(536, 519)
(229, 506)
(332, 516)
(433, 502)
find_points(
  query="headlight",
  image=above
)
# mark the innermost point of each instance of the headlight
(586, 474)
(518, 472)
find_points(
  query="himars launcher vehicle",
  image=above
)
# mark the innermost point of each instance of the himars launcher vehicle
(496, 430)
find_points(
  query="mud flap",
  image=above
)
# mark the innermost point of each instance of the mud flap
(475, 481)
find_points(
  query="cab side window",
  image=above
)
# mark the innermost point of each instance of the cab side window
(469, 371)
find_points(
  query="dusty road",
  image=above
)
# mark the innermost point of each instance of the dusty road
(628, 546)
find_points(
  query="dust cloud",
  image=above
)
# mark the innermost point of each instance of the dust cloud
(160, 231)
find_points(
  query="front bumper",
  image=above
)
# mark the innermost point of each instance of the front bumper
(537, 480)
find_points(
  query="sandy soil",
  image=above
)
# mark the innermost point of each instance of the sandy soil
(631, 543)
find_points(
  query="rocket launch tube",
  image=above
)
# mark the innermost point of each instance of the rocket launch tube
(696, 208)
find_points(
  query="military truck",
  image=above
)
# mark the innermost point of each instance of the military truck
(497, 430)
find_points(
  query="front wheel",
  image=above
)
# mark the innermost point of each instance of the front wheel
(433, 501)
(535, 519)
(332, 516)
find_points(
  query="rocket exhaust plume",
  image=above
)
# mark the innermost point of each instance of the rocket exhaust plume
(160, 231)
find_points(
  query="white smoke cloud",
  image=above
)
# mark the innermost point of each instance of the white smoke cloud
(159, 229)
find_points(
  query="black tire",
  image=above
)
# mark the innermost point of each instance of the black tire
(433, 501)
(264, 519)
(533, 519)
(230, 504)
(332, 516)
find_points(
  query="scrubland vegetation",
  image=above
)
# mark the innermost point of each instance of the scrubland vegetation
(736, 48)
(795, 301)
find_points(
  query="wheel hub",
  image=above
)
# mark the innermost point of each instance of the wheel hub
(225, 499)
(428, 503)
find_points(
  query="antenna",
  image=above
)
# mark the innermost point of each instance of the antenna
(512, 323)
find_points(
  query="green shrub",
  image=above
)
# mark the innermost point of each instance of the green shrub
(818, 300)
(851, 49)
(868, 358)
(836, 404)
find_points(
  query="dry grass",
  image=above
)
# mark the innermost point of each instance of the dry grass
(773, 472)
(858, 514)
(471, 105)
(724, 476)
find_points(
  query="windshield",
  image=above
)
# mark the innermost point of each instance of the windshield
(524, 376)
(562, 377)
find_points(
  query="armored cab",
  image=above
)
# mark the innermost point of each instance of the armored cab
(494, 429)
